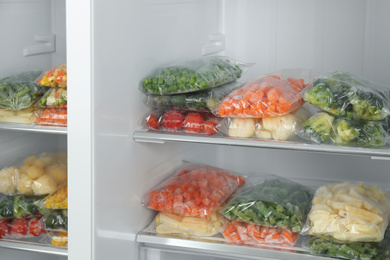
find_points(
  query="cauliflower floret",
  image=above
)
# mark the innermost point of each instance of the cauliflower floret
(242, 127)
(261, 132)
(8, 180)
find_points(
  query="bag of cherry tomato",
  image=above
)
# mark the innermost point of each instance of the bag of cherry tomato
(53, 117)
(55, 77)
(19, 228)
(270, 95)
(195, 190)
(198, 123)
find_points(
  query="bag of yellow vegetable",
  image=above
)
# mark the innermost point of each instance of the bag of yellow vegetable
(37, 174)
(57, 199)
(56, 239)
(276, 128)
(349, 212)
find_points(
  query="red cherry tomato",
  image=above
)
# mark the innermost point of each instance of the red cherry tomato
(153, 122)
(193, 123)
(19, 226)
(36, 228)
(209, 127)
(4, 228)
(172, 120)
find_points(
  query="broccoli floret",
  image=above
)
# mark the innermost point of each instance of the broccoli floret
(319, 96)
(344, 131)
(318, 127)
(372, 134)
(369, 105)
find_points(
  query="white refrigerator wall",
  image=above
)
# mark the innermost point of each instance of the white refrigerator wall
(141, 35)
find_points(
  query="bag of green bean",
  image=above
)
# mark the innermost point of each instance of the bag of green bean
(275, 202)
(193, 75)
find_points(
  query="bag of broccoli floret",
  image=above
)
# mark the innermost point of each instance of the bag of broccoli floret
(344, 94)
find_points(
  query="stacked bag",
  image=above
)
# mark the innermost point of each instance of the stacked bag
(34, 198)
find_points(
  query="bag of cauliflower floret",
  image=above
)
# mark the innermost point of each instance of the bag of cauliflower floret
(36, 174)
(275, 128)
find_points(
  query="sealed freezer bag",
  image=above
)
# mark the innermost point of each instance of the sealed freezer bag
(26, 116)
(329, 247)
(55, 77)
(195, 190)
(270, 95)
(180, 121)
(276, 128)
(325, 128)
(167, 223)
(19, 91)
(55, 239)
(57, 199)
(55, 221)
(344, 94)
(54, 97)
(196, 101)
(275, 202)
(193, 75)
(349, 212)
(20, 206)
(250, 234)
(53, 117)
(19, 228)
(37, 174)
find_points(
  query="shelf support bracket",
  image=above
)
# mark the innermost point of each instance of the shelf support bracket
(217, 44)
(47, 45)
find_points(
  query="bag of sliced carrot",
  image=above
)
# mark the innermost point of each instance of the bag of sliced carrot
(195, 190)
(270, 95)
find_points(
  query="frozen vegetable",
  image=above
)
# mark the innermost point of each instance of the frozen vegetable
(25, 116)
(55, 77)
(57, 200)
(344, 94)
(191, 76)
(7, 207)
(197, 101)
(56, 239)
(270, 95)
(242, 127)
(55, 221)
(349, 212)
(26, 206)
(19, 91)
(318, 128)
(53, 117)
(21, 228)
(275, 202)
(195, 190)
(54, 97)
(250, 234)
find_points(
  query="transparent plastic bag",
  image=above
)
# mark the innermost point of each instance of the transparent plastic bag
(274, 202)
(19, 228)
(56, 220)
(37, 174)
(55, 77)
(195, 190)
(193, 75)
(57, 199)
(20, 206)
(349, 211)
(54, 97)
(179, 121)
(325, 128)
(26, 116)
(55, 239)
(270, 95)
(344, 94)
(276, 128)
(53, 117)
(19, 90)
(204, 100)
(250, 234)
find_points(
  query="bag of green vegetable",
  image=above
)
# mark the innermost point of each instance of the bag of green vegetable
(204, 100)
(325, 128)
(273, 202)
(19, 90)
(56, 220)
(344, 94)
(54, 97)
(21, 207)
(193, 75)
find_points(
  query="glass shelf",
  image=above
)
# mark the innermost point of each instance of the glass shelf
(32, 245)
(34, 128)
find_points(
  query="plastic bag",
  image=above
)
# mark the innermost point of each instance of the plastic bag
(193, 75)
(56, 239)
(270, 95)
(54, 97)
(199, 123)
(55, 77)
(276, 128)
(330, 247)
(19, 91)
(53, 117)
(55, 221)
(349, 212)
(56, 200)
(276, 202)
(195, 190)
(344, 94)
(25, 116)
(167, 223)
(325, 128)
(19, 228)
(20, 207)
(38, 174)
(196, 101)
(250, 234)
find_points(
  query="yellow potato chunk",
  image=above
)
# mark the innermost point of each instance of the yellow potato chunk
(24, 185)
(34, 172)
(8, 178)
(29, 160)
(23, 168)
(46, 159)
(44, 185)
(58, 172)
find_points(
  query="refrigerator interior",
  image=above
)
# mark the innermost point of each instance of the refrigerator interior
(274, 34)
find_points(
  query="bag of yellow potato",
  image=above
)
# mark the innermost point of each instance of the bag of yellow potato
(350, 212)
(37, 174)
